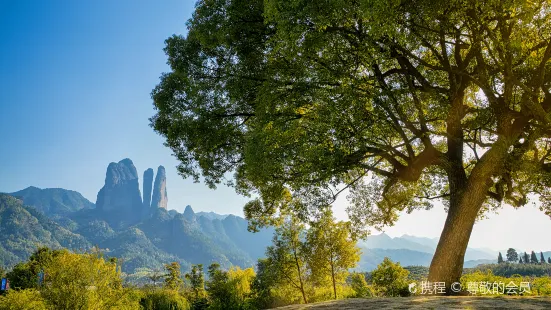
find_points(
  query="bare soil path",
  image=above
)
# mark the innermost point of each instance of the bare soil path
(433, 302)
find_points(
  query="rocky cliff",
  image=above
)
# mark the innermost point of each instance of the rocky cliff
(147, 188)
(160, 198)
(121, 192)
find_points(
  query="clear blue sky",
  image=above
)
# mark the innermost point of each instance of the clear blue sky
(75, 83)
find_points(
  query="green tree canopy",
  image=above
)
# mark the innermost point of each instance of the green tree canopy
(25, 274)
(390, 279)
(287, 257)
(331, 250)
(533, 258)
(173, 279)
(512, 255)
(403, 103)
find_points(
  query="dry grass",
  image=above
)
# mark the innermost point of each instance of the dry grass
(433, 302)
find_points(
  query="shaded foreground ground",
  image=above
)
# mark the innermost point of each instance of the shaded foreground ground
(434, 302)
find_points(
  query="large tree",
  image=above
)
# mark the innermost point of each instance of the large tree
(400, 103)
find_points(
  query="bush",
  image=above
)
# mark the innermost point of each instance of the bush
(359, 285)
(157, 299)
(479, 278)
(22, 300)
(390, 279)
(542, 286)
(80, 281)
(510, 269)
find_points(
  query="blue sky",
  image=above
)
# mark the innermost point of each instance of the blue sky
(75, 83)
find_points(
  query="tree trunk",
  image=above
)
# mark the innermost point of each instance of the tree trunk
(300, 276)
(333, 277)
(447, 263)
(466, 199)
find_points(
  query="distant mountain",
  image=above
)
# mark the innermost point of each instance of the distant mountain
(23, 229)
(411, 251)
(211, 215)
(163, 237)
(53, 201)
(144, 234)
(476, 262)
(420, 244)
(140, 231)
(370, 258)
(384, 241)
(429, 242)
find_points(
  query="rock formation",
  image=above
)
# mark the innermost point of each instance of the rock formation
(147, 187)
(121, 192)
(159, 198)
(189, 214)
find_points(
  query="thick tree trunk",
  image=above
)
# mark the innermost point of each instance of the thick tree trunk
(466, 199)
(447, 263)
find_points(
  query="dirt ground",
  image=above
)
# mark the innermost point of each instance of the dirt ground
(459, 302)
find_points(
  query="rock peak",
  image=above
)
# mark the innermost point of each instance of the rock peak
(121, 191)
(147, 189)
(159, 198)
(189, 214)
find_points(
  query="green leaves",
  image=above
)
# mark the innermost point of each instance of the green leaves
(397, 103)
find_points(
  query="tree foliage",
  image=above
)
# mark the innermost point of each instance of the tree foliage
(25, 274)
(390, 279)
(22, 300)
(173, 280)
(512, 255)
(359, 285)
(401, 103)
(331, 250)
(288, 256)
(85, 281)
(231, 289)
(157, 299)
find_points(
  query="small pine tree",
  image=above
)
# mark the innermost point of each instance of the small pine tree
(500, 258)
(533, 258)
(526, 259)
(542, 259)
(549, 260)
(520, 261)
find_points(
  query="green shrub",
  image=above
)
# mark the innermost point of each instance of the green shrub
(359, 285)
(158, 299)
(482, 283)
(390, 279)
(22, 300)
